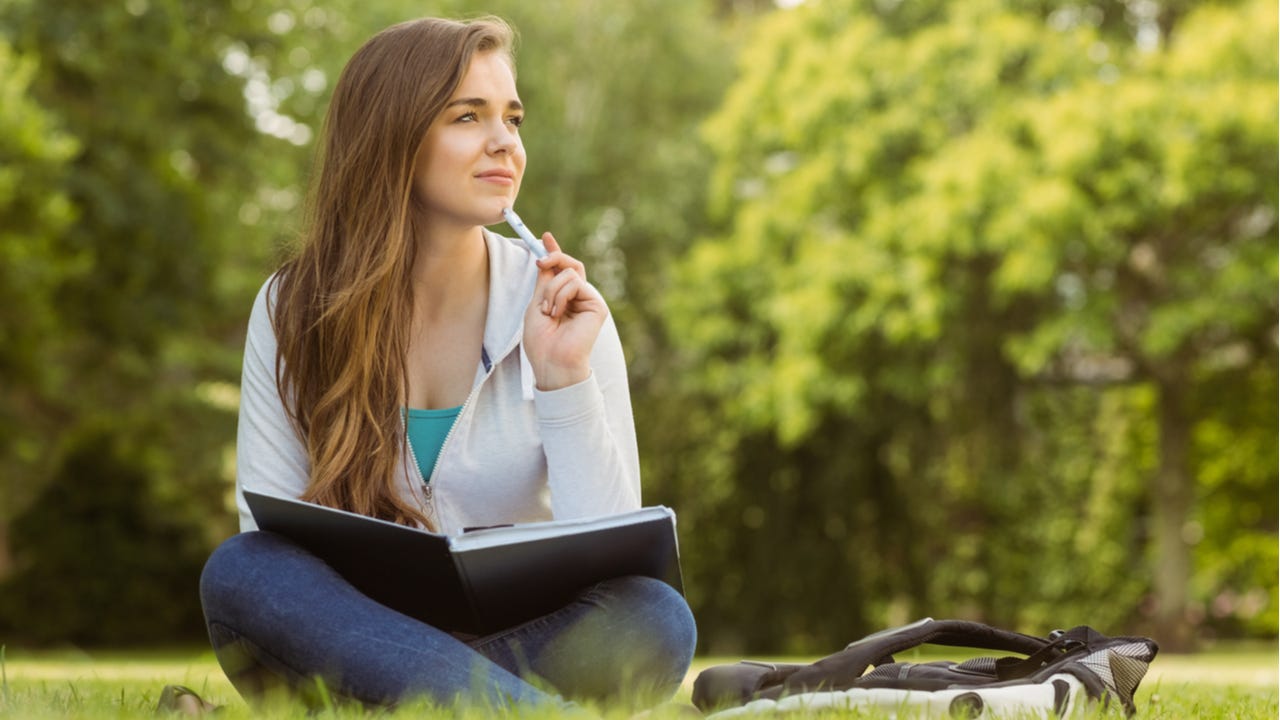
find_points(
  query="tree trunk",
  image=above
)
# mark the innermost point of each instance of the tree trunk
(1172, 504)
(6, 558)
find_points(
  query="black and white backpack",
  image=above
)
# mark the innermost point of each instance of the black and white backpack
(1058, 675)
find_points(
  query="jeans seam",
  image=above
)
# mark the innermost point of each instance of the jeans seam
(275, 664)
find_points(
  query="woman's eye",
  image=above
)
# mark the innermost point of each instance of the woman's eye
(466, 117)
(516, 120)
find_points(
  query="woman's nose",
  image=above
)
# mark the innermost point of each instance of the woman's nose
(503, 138)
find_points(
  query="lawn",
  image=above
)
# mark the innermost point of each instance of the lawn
(1238, 682)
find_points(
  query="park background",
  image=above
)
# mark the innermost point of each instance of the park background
(960, 309)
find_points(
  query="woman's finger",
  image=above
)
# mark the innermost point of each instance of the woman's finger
(570, 293)
(553, 293)
(557, 259)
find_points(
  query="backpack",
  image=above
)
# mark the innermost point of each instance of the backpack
(1060, 673)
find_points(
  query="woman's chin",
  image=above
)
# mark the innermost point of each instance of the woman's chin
(493, 215)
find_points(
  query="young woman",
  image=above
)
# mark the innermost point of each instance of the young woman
(411, 366)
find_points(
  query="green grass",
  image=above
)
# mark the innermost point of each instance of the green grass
(1237, 683)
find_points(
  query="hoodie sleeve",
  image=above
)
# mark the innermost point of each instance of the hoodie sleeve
(589, 436)
(270, 457)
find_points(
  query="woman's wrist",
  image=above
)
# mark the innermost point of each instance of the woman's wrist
(555, 378)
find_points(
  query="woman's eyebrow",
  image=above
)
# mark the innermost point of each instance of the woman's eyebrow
(481, 102)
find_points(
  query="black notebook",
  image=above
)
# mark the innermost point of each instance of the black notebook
(483, 580)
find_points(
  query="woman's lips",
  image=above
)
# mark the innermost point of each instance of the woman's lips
(500, 177)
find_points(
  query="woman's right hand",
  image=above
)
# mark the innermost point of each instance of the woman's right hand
(562, 321)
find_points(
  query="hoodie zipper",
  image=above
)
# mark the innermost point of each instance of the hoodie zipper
(428, 485)
(426, 497)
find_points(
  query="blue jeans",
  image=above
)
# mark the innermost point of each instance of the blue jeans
(279, 617)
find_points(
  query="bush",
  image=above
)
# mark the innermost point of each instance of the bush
(99, 561)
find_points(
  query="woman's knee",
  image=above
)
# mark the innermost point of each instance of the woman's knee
(664, 607)
(661, 615)
(633, 643)
(232, 588)
(232, 568)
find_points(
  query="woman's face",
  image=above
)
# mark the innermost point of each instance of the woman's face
(471, 160)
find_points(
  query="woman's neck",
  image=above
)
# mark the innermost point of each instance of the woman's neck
(450, 273)
(451, 300)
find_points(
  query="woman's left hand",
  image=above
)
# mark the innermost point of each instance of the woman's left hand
(562, 321)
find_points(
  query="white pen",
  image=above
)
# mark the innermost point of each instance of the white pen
(533, 243)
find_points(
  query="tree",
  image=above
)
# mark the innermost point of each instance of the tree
(108, 565)
(927, 229)
(1143, 229)
(34, 209)
(129, 143)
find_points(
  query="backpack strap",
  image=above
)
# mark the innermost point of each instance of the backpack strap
(1108, 667)
(738, 683)
(840, 670)
(1061, 642)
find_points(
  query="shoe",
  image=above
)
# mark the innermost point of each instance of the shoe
(182, 700)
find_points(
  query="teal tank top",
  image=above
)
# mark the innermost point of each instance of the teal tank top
(427, 430)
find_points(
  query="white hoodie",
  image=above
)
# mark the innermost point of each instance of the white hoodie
(515, 454)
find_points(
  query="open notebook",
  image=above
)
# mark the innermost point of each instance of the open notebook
(484, 580)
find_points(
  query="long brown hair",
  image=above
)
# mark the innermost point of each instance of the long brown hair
(344, 302)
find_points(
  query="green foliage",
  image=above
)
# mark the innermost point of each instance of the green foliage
(99, 560)
(901, 314)
(1233, 531)
(937, 246)
(131, 143)
(34, 209)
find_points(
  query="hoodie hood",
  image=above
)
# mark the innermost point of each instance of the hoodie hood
(513, 275)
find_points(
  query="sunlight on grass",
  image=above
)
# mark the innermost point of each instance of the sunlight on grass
(1240, 683)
